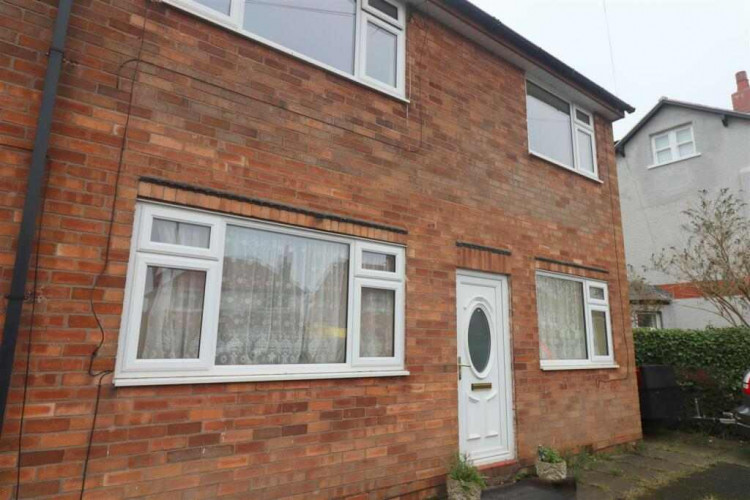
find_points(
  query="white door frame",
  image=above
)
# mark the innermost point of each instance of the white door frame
(503, 341)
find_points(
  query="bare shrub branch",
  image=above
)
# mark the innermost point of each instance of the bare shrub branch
(716, 256)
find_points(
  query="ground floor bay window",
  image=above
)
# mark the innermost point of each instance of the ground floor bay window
(216, 298)
(574, 322)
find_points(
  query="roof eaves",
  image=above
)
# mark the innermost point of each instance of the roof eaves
(536, 53)
(620, 145)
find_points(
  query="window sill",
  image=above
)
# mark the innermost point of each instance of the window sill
(582, 366)
(216, 379)
(566, 167)
(218, 20)
(696, 155)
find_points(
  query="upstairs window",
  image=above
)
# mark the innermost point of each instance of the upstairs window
(362, 39)
(673, 145)
(560, 132)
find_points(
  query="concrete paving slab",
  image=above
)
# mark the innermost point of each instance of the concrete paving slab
(591, 492)
(653, 464)
(722, 481)
(679, 466)
(677, 458)
(638, 472)
(616, 485)
(531, 489)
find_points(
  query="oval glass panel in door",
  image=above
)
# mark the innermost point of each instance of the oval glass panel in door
(480, 340)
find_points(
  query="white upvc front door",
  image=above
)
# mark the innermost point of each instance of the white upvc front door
(485, 393)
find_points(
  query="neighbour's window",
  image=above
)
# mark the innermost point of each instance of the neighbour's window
(574, 323)
(361, 38)
(673, 145)
(217, 297)
(560, 131)
(648, 319)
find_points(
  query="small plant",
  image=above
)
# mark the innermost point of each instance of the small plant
(549, 455)
(466, 473)
(550, 465)
(464, 480)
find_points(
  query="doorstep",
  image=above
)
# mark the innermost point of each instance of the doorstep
(498, 473)
(533, 489)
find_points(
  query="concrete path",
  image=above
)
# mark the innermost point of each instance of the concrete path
(671, 466)
(531, 489)
(660, 463)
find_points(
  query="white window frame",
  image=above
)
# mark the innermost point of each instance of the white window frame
(587, 129)
(590, 304)
(151, 212)
(129, 370)
(673, 146)
(400, 22)
(656, 314)
(575, 125)
(378, 21)
(384, 249)
(398, 336)
(234, 20)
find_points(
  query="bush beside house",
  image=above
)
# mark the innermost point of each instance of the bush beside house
(709, 364)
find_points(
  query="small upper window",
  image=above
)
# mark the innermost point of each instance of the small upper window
(180, 233)
(673, 145)
(555, 136)
(386, 8)
(376, 261)
(361, 39)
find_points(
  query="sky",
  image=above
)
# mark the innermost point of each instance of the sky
(688, 50)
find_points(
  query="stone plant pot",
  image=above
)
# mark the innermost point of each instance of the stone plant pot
(551, 472)
(458, 491)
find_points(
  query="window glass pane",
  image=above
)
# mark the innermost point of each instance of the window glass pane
(283, 299)
(596, 293)
(320, 29)
(376, 327)
(550, 99)
(583, 117)
(386, 8)
(562, 325)
(661, 142)
(599, 324)
(376, 261)
(585, 152)
(480, 340)
(648, 320)
(664, 156)
(180, 233)
(684, 135)
(549, 125)
(686, 149)
(172, 313)
(382, 49)
(217, 5)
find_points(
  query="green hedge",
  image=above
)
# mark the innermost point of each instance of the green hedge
(709, 364)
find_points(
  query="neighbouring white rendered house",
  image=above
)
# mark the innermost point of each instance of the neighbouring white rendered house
(676, 150)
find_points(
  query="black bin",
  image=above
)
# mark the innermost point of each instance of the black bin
(661, 397)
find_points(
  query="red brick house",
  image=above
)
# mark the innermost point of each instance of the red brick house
(301, 249)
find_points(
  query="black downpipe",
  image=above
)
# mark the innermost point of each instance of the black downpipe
(32, 204)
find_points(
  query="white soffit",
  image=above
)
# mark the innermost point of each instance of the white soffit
(563, 88)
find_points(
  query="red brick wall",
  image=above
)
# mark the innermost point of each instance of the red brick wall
(217, 110)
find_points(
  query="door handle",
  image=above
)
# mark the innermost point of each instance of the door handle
(461, 366)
